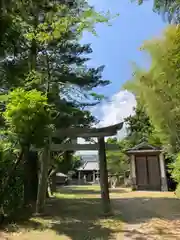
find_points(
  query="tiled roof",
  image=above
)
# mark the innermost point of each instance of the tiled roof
(59, 174)
(144, 146)
(89, 158)
(89, 162)
(89, 166)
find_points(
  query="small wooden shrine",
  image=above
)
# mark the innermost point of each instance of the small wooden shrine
(147, 168)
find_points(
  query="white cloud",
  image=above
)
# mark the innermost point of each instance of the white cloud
(119, 107)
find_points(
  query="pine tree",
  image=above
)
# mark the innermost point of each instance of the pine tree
(169, 9)
(40, 49)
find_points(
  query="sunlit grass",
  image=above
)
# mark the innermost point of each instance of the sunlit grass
(75, 215)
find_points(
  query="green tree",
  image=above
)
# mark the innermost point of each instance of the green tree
(53, 54)
(39, 48)
(67, 162)
(160, 82)
(139, 126)
(117, 161)
(170, 9)
(25, 112)
(12, 198)
(27, 120)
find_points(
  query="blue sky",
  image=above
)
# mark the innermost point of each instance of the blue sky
(117, 46)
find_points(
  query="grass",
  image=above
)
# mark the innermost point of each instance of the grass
(75, 214)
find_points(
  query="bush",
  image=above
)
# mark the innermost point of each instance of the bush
(178, 190)
(13, 196)
(175, 169)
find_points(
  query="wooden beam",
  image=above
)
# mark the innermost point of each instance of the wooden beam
(81, 133)
(89, 132)
(104, 177)
(83, 147)
(144, 151)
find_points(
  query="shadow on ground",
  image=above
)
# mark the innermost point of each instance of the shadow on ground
(149, 218)
(90, 191)
(140, 209)
(81, 218)
(77, 219)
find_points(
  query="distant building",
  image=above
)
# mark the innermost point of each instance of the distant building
(89, 170)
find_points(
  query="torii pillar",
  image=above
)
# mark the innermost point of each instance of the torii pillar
(104, 177)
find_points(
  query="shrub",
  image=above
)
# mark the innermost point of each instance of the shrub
(178, 190)
(13, 197)
(175, 169)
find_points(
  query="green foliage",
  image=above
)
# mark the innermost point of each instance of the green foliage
(54, 27)
(112, 140)
(48, 40)
(139, 129)
(117, 161)
(47, 54)
(43, 68)
(139, 126)
(175, 169)
(65, 165)
(14, 193)
(160, 82)
(158, 90)
(28, 116)
(178, 190)
(170, 9)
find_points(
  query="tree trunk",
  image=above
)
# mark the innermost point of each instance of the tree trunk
(47, 193)
(67, 161)
(43, 180)
(52, 179)
(104, 177)
(30, 177)
(34, 185)
(27, 176)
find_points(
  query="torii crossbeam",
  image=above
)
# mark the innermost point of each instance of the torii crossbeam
(89, 132)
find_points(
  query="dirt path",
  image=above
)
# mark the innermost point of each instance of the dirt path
(74, 215)
(149, 215)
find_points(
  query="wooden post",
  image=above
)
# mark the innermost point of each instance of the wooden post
(43, 179)
(84, 178)
(164, 186)
(94, 176)
(79, 177)
(104, 177)
(133, 172)
(53, 183)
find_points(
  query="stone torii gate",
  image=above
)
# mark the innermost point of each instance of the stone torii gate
(101, 146)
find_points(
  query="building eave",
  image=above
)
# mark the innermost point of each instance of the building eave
(144, 151)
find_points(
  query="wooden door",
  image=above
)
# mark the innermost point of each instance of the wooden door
(148, 173)
(141, 172)
(154, 179)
